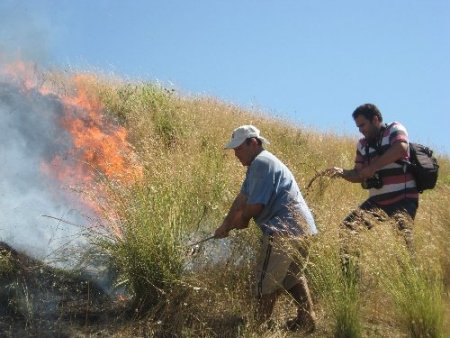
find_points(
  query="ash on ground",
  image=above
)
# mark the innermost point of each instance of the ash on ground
(36, 298)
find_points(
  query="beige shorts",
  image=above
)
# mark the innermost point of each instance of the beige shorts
(275, 268)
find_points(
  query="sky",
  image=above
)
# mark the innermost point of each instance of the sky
(310, 62)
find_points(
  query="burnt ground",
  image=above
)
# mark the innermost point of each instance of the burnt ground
(37, 300)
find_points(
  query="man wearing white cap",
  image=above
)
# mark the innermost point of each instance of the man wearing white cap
(270, 195)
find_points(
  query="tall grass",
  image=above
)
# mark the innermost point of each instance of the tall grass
(417, 295)
(341, 295)
(337, 287)
(190, 181)
(411, 281)
(149, 249)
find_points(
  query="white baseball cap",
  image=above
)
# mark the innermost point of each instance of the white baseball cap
(242, 133)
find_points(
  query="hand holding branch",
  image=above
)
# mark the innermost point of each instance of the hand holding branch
(330, 172)
(333, 172)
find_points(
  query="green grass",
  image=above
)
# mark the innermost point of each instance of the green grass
(336, 287)
(417, 294)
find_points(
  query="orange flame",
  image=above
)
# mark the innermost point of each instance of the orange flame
(98, 143)
(100, 148)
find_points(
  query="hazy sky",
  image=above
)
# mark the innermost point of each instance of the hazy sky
(310, 61)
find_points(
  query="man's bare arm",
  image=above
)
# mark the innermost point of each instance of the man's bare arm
(396, 152)
(239, 216)
(351, 175)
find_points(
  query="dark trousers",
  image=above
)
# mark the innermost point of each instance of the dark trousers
(407, 206)
(394, 211)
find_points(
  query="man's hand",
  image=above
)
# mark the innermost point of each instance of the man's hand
(334, 172)
(367, 172)
(351, 175)
(396, 152)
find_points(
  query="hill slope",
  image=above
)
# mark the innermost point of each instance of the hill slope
(176, 183)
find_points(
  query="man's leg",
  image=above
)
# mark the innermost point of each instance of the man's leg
(266, 286)
(266, 304)
(297, 286)
(404, 214)
(306, 317)
(350, 226)
(358, 217)
(404, 224)
(277, 271)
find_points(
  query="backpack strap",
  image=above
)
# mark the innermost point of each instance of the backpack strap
(377, 145)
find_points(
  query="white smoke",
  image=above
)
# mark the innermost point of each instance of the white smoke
(30, 136)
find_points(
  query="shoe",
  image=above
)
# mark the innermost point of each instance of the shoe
(305, 323)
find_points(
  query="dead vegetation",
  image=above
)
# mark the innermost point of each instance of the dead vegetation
(37, 298)
(187, 185)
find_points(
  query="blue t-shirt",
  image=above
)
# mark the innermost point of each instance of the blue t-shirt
(269, 182)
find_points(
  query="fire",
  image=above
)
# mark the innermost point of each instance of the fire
(21, 73)
(99, 148)
(25, 75)
(98, 144)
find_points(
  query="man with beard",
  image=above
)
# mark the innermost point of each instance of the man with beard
(380, 166)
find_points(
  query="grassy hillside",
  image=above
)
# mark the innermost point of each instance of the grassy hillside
(187, 185)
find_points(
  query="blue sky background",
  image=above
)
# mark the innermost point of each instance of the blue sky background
(311, 61)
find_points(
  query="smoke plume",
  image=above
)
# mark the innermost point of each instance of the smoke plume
(30, 137)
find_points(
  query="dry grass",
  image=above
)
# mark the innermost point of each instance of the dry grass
(180, 140)
(188, 184)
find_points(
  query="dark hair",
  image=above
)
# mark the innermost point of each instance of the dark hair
(247, 141)
(369, 111)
